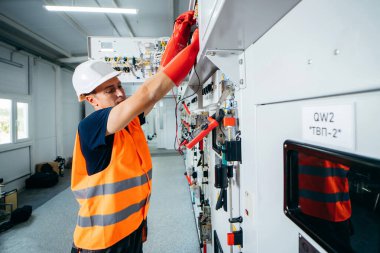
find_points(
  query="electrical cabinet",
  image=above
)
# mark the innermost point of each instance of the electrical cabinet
(278, 123)
(320, 48)
(136, 58)
(296, 76)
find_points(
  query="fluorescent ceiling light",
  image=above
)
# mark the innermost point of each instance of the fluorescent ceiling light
(90, 9)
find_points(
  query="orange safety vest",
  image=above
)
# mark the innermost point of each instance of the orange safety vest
(323, 188)
(115, 201)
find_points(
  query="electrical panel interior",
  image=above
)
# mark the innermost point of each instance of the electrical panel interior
(246, 117)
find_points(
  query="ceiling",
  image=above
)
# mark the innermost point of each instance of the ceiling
(61, 37)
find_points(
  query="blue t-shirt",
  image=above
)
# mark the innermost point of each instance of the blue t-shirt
(95, 145)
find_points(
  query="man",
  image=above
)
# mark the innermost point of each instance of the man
(112, 169)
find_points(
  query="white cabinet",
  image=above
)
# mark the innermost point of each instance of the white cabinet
(233, 25)
(320, 48)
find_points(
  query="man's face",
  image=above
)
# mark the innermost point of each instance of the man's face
(108, 94)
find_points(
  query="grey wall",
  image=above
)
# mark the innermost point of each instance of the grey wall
(14, 84)
(70, 113)
(54, 113)
(43, 94)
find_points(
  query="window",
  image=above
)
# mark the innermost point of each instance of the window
(5, 121)
(14, 120)
(333, 196)
(22, 121)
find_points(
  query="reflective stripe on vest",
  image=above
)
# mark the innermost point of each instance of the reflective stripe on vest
(115, 201)
(323, 188)
(112, 188)
(105, 220)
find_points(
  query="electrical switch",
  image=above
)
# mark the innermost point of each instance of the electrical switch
(236, 220)
(233, 150)
(207, 128)
(235, 238)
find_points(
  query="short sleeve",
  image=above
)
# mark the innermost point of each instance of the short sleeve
(95, 145)
(92, 129)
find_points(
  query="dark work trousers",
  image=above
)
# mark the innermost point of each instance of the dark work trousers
(130, 244)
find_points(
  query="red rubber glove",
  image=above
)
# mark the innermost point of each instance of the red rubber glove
(178, 68)
(179, 38)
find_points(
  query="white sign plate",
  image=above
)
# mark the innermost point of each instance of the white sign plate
(333, 125)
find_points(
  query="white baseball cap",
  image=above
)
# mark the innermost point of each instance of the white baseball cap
(90, 74)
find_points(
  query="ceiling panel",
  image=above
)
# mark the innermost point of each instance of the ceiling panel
(69, 31)
(50, 26)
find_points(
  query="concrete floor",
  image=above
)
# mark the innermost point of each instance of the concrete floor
(171, 220)
(37, 197)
